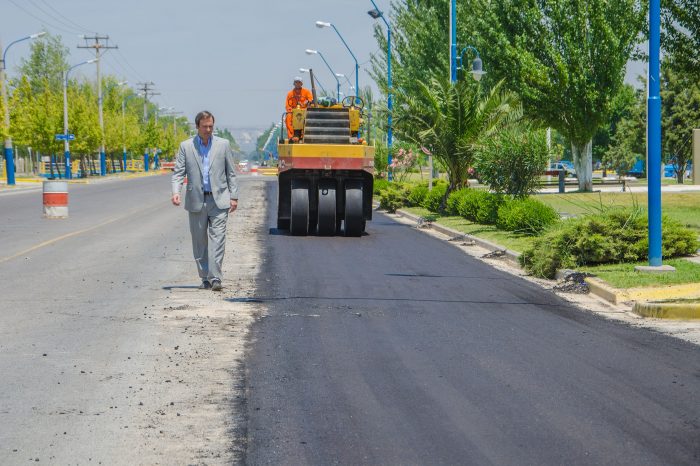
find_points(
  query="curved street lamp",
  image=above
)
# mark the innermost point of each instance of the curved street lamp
(9, 153)
(66, 143)
(316, 80)
(350, 86)
(376, 13)
(477, 65)
(324, 24)
(316, 52)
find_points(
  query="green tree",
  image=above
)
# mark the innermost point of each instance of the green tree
(46, 63)
(83, 118)
(226, 134)
(624, 105)
(681, 35)
(566, 59)
(451, 120)
(680, 97)
(625, 147)
(511, 161)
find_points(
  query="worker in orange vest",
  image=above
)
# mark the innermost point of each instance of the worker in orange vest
(299, 97)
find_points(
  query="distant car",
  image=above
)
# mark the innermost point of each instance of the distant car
(670, 170)
(560, 166)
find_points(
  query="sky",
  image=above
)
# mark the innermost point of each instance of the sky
(234, 58)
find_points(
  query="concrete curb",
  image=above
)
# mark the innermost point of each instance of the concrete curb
(510, 256)
(681, 311)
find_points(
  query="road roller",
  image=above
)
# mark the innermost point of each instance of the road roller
(326, 171)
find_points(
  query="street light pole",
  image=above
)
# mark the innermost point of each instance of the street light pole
(389, 98)
(66, 143)
(323, 24)
(9, 153)
(337, 81)
(654, 136)
(453, 41)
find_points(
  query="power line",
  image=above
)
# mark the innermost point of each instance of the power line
(52, 16)
(81, 28)
(43, 21)
(129, 64)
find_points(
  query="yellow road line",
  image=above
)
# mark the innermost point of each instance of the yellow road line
(72, 234)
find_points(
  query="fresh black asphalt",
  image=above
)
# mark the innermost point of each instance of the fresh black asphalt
(397, 348)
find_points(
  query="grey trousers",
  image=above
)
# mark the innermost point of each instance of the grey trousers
(208, 231)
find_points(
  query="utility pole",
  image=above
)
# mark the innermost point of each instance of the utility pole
(146, 89)
(100, 45)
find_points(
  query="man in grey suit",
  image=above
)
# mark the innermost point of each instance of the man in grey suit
(211, 194)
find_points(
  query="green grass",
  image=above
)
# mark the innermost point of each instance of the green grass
(506, 239)
(624, 275)
(683, 207)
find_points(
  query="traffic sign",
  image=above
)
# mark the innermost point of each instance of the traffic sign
(64, 137)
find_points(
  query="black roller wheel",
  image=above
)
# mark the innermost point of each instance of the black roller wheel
(283, 224)
(354, 219)
(299, 223)
(326, 208)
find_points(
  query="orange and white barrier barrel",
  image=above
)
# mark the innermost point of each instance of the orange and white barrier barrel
(55, 199)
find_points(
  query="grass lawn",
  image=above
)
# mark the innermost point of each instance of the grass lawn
(506, 239)
(624, 275)
(683, 207)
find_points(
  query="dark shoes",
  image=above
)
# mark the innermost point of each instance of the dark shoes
(205, 285)
(216, 285)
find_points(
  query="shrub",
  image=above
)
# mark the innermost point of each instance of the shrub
(391, 200)
(380, 184)
(511, 161)
(528, 216)
(618, 235)
(487, 212)
(433, 200)
(454, 199)
(468, 206)
(416, 195)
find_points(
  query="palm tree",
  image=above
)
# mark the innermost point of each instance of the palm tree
(451, 119)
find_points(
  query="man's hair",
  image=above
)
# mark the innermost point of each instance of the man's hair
(201, 115)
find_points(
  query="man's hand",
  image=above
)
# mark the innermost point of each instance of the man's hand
(176, 199)
(234, 205)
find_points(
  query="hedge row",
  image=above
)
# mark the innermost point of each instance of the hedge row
(527, 216)
(617, 235)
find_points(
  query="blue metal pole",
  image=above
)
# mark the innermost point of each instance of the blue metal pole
(357, 66)
(654, 135)
(124, 160)
(332, 72)
(145, 160)
(390, 104)
(453, 41)
(390, 97)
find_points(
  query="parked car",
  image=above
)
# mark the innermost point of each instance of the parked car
(561, 166)
(670, 170)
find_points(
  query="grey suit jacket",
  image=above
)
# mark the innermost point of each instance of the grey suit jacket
(222, 175)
